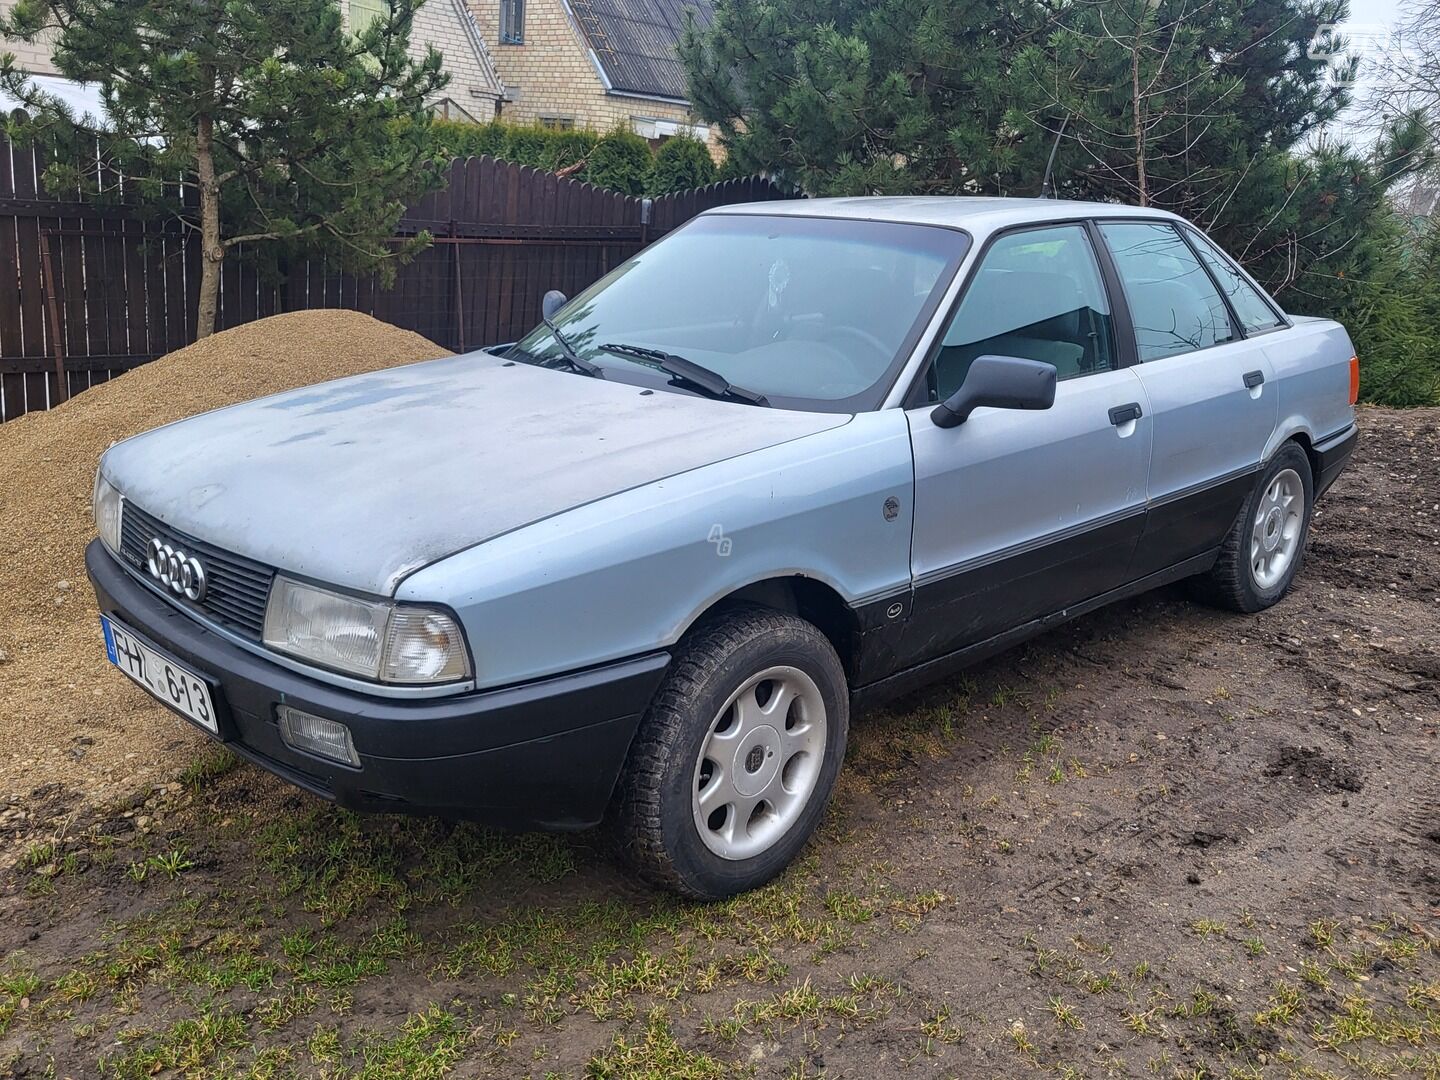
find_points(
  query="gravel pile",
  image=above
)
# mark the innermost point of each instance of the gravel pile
(65, 717)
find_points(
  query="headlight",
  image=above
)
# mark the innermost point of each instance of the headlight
(105, 502)
(375, 639)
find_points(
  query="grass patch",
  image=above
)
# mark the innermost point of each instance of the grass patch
(654, 1054)
(208, 766)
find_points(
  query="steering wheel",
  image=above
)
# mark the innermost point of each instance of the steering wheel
(766, 325)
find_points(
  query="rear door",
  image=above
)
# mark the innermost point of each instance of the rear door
(1212, 392)
(1021, 514)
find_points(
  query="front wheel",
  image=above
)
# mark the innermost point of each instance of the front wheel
(1265, 547)
(734, 763)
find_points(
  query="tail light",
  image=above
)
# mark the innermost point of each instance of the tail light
(1354, 379)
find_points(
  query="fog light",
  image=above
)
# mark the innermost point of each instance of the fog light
(316, 735)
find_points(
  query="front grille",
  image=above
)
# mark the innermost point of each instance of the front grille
(236, 588)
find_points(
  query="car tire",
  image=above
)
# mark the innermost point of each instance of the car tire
(754, 712)
(1265, 547)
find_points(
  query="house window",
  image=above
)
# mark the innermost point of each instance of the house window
(364, 12)
(512, 22)
(557, 123)
(656, 131)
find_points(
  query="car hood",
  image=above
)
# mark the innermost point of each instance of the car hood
(361, 481)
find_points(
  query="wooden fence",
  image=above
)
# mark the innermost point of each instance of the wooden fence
(88, 291)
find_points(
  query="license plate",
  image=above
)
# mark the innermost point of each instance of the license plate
(176, 686)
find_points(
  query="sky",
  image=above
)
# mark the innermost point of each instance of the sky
(1370, 28)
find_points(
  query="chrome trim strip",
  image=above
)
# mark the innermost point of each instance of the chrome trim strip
(1323, 444)
(1205, 485)
(1026, 546)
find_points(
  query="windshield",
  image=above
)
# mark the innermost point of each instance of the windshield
(810, 313)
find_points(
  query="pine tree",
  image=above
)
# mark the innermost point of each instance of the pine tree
(860, 96)
(1196, 106)
(293, 133)
(950, 96)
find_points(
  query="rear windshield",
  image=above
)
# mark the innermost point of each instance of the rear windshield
(814, 313)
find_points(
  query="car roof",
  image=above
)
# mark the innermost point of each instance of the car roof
(975, 213)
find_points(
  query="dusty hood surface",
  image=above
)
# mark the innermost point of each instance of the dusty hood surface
(361, 481)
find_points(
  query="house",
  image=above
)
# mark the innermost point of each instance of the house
(34, 58)
(474, 92)
(594, 63)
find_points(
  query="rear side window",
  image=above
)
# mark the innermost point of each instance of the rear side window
(1250, 307)
(1173, 303)
(1037, 295)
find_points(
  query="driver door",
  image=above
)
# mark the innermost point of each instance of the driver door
(1022, 514)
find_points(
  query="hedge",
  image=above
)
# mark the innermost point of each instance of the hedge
(618, 160)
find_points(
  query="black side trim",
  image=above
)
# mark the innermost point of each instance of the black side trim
(919, 675)
(1333, 454)
(1189, 522)
(1050, 541)
(976, 600)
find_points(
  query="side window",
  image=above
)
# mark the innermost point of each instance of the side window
(1037, 295)
(1254, 312)
(512, 22)
(1173, 303)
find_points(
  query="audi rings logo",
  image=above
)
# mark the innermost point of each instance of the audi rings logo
(182, 573)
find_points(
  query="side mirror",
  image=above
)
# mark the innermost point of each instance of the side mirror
(552, 302)
(1001, 382)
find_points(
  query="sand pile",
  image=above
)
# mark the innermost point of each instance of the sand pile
(65, 717)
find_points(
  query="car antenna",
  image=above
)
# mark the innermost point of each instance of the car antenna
(1047, 186)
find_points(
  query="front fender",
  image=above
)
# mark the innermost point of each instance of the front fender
(629, 573)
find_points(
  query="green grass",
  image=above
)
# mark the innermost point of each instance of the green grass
(654, 1054)
(189, 1046)
(208, 766)
(16, 990)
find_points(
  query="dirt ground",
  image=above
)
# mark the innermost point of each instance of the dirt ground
(1163, 841)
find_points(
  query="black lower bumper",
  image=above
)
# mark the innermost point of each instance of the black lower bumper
(540, 755)
(1333, 454)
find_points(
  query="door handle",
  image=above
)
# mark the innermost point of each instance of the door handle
(1253, 379)
(1123, 414)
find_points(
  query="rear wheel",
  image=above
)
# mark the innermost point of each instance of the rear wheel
(734, 763)
(1265, 547)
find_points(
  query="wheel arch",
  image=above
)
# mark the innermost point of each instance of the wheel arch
(808, 598)
(1303, 440)
(1297, 431)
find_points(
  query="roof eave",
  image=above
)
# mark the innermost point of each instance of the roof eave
(642, 95)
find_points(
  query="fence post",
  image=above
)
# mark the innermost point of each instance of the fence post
(459, 289)
(62, 380)
(645, 205)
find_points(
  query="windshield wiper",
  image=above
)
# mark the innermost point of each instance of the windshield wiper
(697, 375)
(574, 359)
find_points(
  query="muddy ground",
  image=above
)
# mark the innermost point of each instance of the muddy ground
(1162, 841)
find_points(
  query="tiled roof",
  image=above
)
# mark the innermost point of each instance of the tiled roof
(635, 41)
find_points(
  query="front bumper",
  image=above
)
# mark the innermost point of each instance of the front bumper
(541, 755)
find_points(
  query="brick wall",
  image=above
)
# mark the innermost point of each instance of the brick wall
(33, 58)
(472, 87)
(552, 76)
